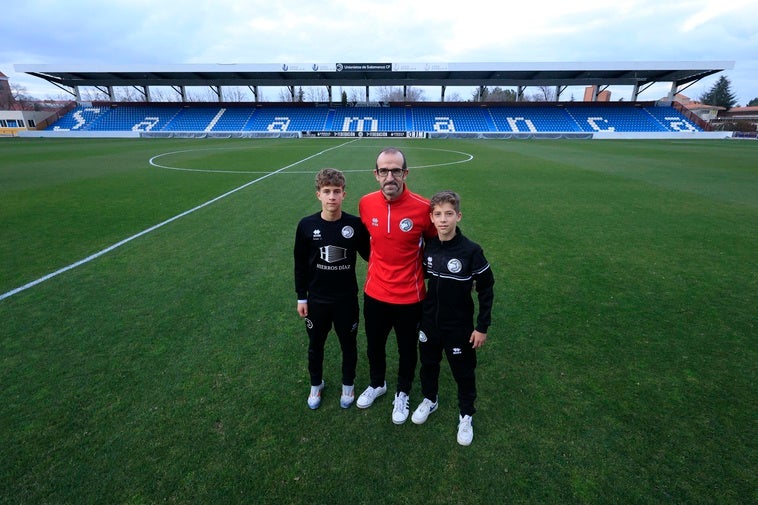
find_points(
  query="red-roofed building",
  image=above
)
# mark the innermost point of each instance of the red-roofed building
(704, 111)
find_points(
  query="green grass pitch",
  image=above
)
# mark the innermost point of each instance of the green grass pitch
(620, 366)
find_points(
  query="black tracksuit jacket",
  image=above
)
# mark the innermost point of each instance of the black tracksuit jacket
(454, 268)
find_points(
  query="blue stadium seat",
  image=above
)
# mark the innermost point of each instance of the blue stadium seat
(489, 117)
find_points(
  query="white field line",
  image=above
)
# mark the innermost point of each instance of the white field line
(155, 227)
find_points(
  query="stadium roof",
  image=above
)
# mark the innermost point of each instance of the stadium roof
(641, 74)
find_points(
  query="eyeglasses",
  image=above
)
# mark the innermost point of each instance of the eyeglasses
(396, 172)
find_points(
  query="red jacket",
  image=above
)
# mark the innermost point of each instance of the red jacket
(397, 229)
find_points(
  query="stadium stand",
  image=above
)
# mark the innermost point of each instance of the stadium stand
(368, 119)
(534, 119)
(560, 117)
(449, 119)
(233, 119)
(195, 119)
(284, 118)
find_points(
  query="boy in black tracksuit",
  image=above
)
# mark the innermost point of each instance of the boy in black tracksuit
(454, 266)
(325, 250)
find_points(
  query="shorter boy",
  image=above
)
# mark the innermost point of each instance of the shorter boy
(454, 266)
(327, 290)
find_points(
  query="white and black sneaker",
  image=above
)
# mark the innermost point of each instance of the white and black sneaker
(400, 410)
(423, 410)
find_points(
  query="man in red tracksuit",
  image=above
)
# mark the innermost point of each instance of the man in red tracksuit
(398, 222)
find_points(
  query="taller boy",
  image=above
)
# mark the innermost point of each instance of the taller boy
(326, 246)
(398, 222)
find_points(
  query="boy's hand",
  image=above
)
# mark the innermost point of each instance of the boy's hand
(477, 339)
(302, 309)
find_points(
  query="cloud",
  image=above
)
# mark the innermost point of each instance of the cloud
(255, 31)
(710, 11)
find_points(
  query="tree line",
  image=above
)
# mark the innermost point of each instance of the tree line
(720, 94)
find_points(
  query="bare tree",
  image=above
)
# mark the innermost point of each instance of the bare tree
(389, 94)
(356, 95)
(236, 94)
(91, 94)
(544, 94)
(284, 95)
(162, 94)
(454, 97)
(480, 94)
(201, 94)
(414, 94)
(317, 94)
(130, 94)
(496, 94)
(18, 92)
(395, 94)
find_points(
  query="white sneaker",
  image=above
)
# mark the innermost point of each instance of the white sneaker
(423, 410)
(347, 396)
(369, 395)
(465, 430)
(314, 399)
(400, 411)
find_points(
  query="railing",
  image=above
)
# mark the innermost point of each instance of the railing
(688, 114)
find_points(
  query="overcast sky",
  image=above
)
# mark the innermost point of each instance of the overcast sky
(118, 32)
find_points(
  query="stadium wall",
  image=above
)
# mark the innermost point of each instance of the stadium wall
(446, 135)
(78, 134)
(661, 135)
(162, 135)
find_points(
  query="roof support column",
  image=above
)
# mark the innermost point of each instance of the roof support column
(594, 93)
(558, 91)
(182, 91)
(107, 90)
(442, 93)
(673, 91)
(520, 93)
(367, 95)
(635, 91)
(142, 90)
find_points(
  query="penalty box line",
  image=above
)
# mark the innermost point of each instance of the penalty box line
(110, 248)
